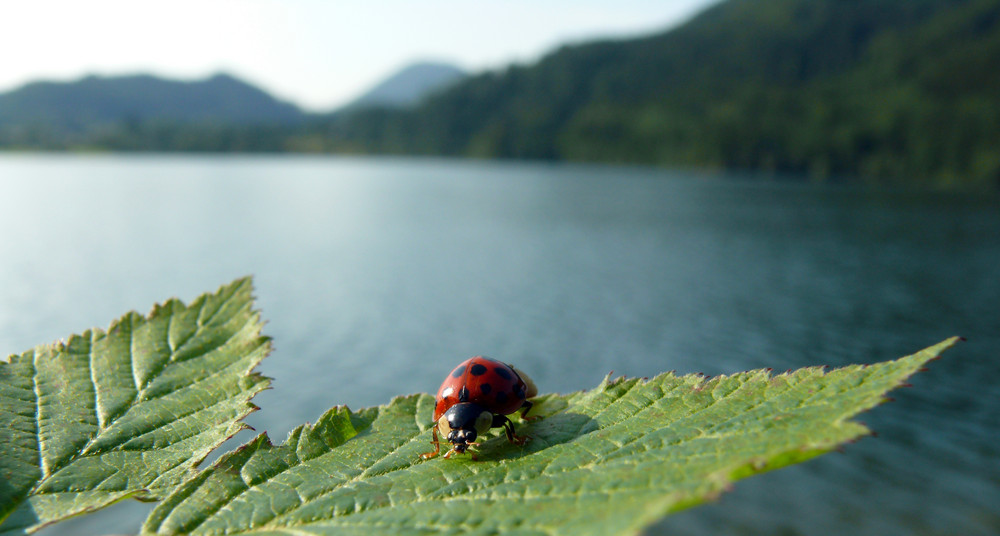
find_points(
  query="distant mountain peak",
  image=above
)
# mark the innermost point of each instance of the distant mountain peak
(409, 85)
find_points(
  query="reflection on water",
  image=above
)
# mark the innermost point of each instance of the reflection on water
(376, 276)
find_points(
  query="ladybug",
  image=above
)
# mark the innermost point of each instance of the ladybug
(476, 396)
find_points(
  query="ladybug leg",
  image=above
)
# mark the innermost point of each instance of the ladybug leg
(508, 427)
(471, 453)
(525, 408)
(437, 447)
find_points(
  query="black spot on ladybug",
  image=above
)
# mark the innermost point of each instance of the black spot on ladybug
(486, 388)
(503, 372)
(463, 394)
(477, 369)
(457, 373)
(501, 397)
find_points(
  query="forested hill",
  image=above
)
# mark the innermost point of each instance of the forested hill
(906, 91)
(96, 102)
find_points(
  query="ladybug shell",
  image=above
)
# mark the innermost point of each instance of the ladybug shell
(480, 380)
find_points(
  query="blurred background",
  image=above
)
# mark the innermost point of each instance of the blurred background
(575, 187)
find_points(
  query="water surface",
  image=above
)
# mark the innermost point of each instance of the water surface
(375, 276)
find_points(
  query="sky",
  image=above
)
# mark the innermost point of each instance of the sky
(318, 54)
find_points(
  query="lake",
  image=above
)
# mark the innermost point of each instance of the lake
(375, 276)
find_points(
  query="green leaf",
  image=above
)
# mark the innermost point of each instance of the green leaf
(127, 412)
(610, 460)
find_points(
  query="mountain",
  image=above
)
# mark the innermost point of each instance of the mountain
(888, 90)
(882, 90)
(94, 103)
(408, 86)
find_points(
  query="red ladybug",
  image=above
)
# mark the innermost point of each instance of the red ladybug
(476, 396)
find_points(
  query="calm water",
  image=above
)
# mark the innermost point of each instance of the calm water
(375, 276)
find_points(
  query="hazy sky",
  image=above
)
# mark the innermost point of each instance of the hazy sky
(315, 53)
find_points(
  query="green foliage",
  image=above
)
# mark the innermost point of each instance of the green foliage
(127, 412)
(611, 460)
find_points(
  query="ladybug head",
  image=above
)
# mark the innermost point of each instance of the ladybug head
(463, 423)
(461, 439)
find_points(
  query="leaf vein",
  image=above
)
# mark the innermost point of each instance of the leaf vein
(357, 478)
(38, 415)
(307, 501)
(93, 382)
(137, 402)
(131, 356)
(618, 400)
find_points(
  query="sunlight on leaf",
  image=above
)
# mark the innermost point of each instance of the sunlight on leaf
(127, 412)
(610, 460)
